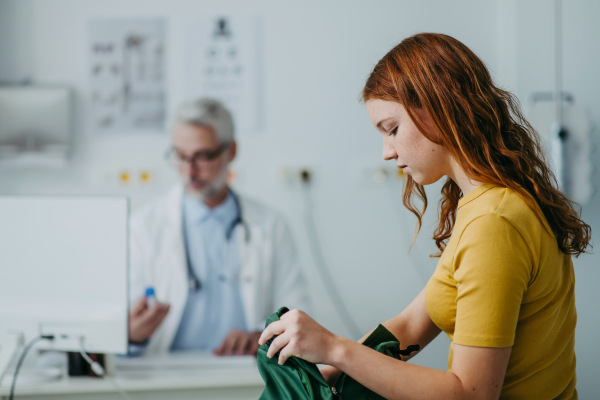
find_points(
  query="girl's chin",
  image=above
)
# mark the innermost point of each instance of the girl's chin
(423, 180)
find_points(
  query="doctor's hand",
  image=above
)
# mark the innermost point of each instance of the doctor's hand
(238, 343)
(300, 336)
(144, 320)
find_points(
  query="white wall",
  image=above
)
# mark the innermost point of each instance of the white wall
(5, 14)
(317, 56)
(530, 68)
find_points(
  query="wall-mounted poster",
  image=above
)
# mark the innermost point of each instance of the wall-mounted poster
(127, 75)
(223, 62)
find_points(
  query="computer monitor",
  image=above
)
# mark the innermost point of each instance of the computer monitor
(64, 272)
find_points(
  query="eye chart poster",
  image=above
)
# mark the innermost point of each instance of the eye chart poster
(223, 61)
(127, 75)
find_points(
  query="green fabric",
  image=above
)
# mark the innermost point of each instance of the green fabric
(298, 379)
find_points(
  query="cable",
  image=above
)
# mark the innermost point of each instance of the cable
(20, 362)
(325, 274)
(98, 370)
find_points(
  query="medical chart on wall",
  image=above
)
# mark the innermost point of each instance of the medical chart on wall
(127, 75)
(222, 60)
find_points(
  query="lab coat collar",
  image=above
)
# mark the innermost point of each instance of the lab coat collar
(196, 211)
(248, 208)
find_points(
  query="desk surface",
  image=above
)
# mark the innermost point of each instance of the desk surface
(243, 379)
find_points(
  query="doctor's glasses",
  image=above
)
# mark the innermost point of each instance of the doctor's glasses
(199, 158)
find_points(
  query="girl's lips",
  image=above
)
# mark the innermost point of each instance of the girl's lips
(402, 166)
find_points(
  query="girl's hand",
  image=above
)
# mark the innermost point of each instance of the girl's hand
(299, 336)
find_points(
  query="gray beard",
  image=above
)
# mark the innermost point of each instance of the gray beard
(210, 190)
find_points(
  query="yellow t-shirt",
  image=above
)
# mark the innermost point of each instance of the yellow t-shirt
(502, 281)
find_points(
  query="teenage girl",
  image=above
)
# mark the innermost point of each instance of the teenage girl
(503, 289)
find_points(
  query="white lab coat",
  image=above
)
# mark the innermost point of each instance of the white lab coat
(269, 274)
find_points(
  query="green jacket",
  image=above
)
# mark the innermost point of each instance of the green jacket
(298, 379)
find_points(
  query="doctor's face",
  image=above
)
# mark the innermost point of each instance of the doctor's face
(202, 160)
(416, 155)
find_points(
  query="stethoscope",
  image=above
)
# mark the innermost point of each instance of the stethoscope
(194, 281)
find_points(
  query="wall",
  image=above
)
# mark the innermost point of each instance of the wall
(316, 58)
(5, 29)
(527, 61)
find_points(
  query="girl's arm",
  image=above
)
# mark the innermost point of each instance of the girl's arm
(411, 326)
(477, 372)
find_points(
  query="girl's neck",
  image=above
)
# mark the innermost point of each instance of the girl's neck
(459, 177)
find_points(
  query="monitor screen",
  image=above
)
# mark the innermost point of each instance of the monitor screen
(64, 270)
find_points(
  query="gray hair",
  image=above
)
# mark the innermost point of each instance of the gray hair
(210, 113)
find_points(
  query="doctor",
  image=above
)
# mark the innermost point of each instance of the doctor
(219, 263)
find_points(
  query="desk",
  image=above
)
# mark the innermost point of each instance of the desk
(231, 383)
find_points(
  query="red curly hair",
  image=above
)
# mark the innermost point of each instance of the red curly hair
(482, 127)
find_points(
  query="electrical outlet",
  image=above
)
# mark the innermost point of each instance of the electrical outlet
(145, 177)
(127, 177)
(124, 177)
(288, 175)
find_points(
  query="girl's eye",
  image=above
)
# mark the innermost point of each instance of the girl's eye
(393, 131)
